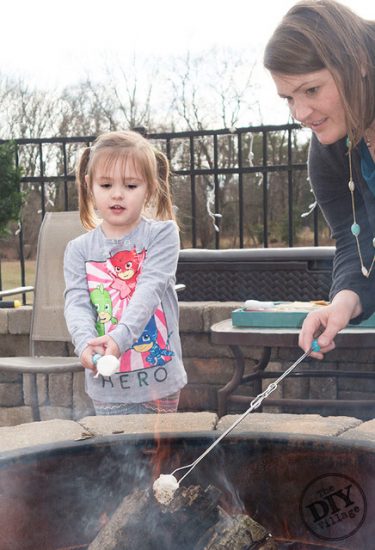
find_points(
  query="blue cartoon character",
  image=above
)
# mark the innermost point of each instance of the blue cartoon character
(101, 299)
(148, 343)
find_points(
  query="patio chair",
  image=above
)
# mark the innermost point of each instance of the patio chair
(13, 292)
(48, 323)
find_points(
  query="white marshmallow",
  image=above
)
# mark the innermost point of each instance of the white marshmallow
(165, 487)
(107, 365)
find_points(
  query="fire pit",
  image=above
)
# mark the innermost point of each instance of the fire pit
(309, 492)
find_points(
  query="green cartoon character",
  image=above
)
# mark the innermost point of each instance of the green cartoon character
(102, 302)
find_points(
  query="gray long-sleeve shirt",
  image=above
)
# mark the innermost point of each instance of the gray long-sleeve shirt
(329, 176)
(125, 288)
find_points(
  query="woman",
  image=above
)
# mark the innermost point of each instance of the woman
(322, 60)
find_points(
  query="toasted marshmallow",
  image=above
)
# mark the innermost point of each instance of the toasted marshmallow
(165, 487)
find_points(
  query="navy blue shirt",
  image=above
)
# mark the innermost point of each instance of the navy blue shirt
(329, 177)
(367, 166)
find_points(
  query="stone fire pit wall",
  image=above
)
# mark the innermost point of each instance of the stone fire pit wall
(208, 366)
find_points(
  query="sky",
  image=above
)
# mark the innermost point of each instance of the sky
(54, 44)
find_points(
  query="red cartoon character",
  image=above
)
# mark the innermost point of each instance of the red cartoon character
(127, 265)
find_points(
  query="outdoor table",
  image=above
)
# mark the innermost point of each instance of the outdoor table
(224, 333)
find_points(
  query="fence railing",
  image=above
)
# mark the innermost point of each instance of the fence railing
(233, 188)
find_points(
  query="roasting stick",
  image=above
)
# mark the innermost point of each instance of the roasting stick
(255, 403)
(167, 484)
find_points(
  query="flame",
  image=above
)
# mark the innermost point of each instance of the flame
(75, 547)
(162, 453)
(103, 519)
(285, 529)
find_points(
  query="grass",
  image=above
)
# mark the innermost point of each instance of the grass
(11, 277)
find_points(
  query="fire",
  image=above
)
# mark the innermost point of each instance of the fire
(162, 453)
(103, 519)
(75, 547)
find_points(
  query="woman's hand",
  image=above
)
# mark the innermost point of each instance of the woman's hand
(325, 322)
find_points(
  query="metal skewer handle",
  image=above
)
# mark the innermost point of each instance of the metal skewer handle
(255, 403)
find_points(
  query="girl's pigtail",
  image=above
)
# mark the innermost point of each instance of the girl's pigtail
(86, 206)
(164, 206)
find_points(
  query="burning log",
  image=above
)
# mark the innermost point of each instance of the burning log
(193, 520)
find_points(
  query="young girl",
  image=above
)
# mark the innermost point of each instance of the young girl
(120, 294)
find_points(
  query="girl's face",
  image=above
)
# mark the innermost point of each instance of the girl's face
(120, 192)
(314, 100)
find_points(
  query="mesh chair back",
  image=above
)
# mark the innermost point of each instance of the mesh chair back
(48, 323)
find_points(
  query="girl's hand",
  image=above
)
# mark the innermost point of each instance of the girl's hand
(107, 344)
(87, 355)
(324, 323)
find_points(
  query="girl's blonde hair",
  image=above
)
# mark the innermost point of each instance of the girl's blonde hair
(324, 34)
(127, 146)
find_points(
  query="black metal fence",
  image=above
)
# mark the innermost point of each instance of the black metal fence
(233, 188)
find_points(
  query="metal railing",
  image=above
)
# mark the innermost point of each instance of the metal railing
(214, 171)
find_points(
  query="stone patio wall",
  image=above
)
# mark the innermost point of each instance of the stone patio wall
(208, 366)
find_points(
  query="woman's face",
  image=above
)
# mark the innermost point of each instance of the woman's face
(314, 100)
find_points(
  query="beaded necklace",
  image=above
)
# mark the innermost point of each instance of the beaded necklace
(356, 228)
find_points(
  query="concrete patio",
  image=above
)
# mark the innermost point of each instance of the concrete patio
(24, 436)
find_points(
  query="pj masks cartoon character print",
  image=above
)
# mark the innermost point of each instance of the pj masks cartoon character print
(127, 265)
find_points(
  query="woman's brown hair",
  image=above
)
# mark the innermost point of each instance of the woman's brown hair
(324, 34)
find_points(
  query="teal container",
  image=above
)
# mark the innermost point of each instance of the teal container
(280, 319)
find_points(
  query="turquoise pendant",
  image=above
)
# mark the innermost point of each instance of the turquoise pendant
(355, 229)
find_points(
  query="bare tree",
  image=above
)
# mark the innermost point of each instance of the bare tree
(213, 89)
(131, 89)
(120, 98)
(28, 112)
